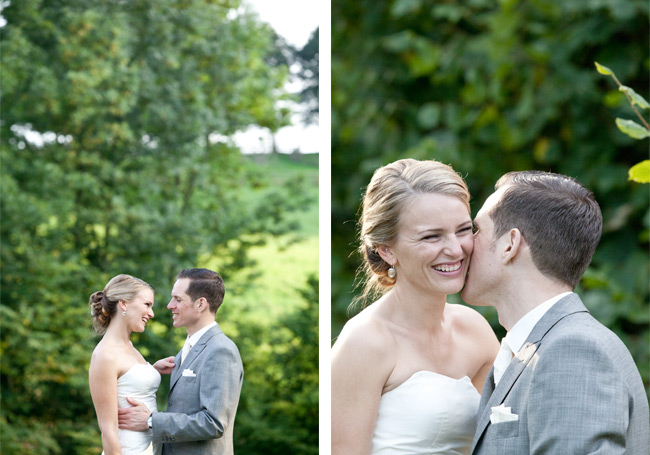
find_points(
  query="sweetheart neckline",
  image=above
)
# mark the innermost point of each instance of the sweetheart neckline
(132, 367)
(419, 372)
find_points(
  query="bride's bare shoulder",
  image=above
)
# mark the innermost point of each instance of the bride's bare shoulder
(473, 326)
(109, 357)
(364, 353)
(367, 331)
(467, 317)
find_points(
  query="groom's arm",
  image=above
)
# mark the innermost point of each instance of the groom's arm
(165, 366)
(218, 389)
(578, 401)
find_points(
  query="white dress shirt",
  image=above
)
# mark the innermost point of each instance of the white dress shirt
(516, 337)
(192, 340)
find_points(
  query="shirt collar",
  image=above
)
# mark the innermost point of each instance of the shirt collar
(517, 336)
(197, 336)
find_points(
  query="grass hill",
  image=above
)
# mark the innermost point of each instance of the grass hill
(282, 264)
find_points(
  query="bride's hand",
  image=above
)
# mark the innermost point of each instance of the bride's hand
(165, 366)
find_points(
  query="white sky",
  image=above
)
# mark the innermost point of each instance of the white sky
(294, 20)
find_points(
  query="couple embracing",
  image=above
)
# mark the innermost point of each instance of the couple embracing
(206, 376)
(413, 374)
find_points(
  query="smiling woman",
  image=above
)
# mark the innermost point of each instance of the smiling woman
(386, 208)
(119, 292)
(411, 343)
(117, 369)
(433, 247)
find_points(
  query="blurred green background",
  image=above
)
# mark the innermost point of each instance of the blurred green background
(490, 87)
(115, 158)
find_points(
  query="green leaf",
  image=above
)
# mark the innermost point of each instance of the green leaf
(429, 115)
(640, 172)
(636, 98)
(603, 69)
(632, 129)
(404, 7)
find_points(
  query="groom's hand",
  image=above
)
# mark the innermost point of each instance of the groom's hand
(133, 418)
(165, 366)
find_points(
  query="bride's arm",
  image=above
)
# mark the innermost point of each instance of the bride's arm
(103, 389)
(484, 344)
(361, 362)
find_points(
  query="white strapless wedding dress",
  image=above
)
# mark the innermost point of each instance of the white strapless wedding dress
(141, 383)
(429, 413)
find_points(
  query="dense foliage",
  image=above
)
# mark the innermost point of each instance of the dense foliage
(491, 87)
(278, 412)
(113, 161)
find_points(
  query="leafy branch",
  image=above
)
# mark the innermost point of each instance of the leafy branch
(640, 172)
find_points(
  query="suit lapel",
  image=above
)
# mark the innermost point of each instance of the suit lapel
(495, 396)
(568, 305)
(488, 389)
(498, 394)
(176, 371)
(191, 356)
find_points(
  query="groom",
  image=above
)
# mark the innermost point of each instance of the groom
(562, 383)
(206, 376)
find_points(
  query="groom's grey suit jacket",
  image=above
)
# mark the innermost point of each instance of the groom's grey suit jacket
(575, 388)
(203, 398)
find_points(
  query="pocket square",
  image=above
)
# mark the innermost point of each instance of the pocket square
(189, 373)
(502, 414)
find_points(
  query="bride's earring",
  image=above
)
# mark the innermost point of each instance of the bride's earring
(123, 313)
(392, 273)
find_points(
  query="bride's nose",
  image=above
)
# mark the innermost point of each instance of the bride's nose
(453, 246)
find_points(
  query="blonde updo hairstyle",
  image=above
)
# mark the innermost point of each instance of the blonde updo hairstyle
(391, 189)
(103, 304)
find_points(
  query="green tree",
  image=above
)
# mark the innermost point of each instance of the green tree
(308, 59)
(490, 88)
(279, 407)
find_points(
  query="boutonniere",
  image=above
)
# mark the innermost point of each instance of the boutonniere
(189, 373)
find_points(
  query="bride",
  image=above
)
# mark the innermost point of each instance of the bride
(117, 369)
(407, 371)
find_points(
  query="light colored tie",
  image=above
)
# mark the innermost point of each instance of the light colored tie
(504, 357)
(186, 348)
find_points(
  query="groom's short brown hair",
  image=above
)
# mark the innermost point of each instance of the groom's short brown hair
(557, 216)
(205, 283)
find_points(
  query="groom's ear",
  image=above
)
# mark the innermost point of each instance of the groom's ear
(203, 304)
(514, 243)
